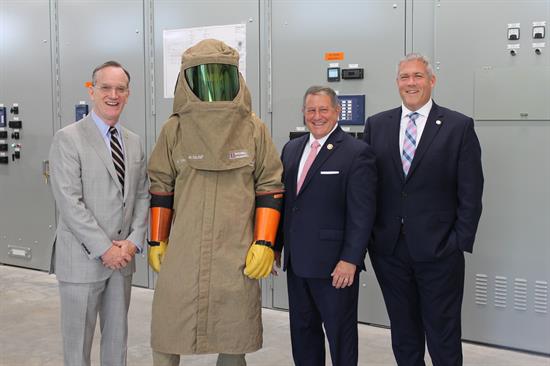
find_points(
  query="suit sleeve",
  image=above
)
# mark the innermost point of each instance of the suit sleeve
(138, 227)
(469, 189)
(279, 241)
(366, 131)
(360, 206)
(66, 181)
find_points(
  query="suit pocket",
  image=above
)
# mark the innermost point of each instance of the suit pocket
(331, 235)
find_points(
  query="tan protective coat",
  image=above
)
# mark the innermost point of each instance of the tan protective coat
(214, 157)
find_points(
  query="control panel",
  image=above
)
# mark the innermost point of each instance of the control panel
(353, 109)
(3, 135)
(3, 116)
(10, 128)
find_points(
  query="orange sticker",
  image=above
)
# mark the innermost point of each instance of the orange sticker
(334, 56)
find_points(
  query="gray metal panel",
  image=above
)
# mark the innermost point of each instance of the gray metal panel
(372, 309)
(420, 33)
(472, 35)
(371, 34)
(90, 33)
(512, 93)
(506, 295)
(27, 222)
(280, 292)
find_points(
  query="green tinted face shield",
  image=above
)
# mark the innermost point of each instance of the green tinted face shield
(213, 82)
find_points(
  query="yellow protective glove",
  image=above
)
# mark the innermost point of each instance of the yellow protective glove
(259, 261)
(156, 255)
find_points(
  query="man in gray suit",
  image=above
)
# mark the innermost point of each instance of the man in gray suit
(99, 182)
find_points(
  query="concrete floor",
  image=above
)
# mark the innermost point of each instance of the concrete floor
(29, 331)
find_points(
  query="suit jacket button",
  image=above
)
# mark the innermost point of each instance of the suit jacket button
(294, 209)
(119, 232)
(404, 194)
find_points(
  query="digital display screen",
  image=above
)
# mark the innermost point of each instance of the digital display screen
(333, 74)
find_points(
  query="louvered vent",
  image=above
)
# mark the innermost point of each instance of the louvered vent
(520, 294)
(481, 289)
(501, 291)
(541, 297)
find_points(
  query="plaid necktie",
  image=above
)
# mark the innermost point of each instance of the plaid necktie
(118, 156)
(409, 142)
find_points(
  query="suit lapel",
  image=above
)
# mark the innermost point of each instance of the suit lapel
(395, 125)
(295, 163)
(326, 151)
(98, 144)
(430, 131)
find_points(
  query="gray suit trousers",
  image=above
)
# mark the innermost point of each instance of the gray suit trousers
(80, 305)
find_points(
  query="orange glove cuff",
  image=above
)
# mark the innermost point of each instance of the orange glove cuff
(268, 214)
(161, 221)
(267, 222)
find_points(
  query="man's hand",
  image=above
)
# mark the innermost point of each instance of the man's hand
(127, 247)
(343, 274)
(115, 258)
(277, 263)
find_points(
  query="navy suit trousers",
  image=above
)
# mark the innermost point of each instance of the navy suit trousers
(424, 301)
(314, 302)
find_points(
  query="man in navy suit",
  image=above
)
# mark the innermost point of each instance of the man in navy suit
(329, 209)
(430, 184)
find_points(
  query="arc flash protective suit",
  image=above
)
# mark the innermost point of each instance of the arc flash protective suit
(213, 166)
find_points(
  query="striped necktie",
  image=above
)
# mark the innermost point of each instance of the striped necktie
(409, 142)
(118, 156)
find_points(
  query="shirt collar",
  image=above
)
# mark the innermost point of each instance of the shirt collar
(103, 127)
(423, 111)
(323, 139)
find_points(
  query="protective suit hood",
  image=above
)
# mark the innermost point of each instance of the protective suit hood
(217, 135)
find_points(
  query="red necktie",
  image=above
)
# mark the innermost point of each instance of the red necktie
(309, 161)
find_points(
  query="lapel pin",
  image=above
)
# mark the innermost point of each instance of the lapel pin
(438, 122)
(330, 146)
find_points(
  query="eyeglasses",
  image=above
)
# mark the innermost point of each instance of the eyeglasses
(106, 89)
